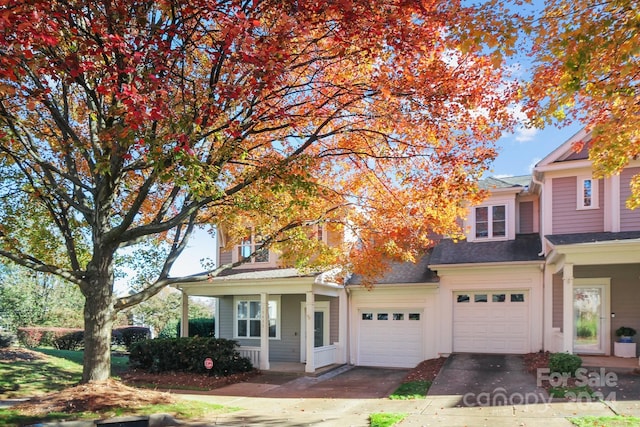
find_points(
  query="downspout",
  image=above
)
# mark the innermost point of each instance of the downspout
(541, 216)
(348, 337)
(542, 253)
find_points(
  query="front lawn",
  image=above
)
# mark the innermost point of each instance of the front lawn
(616, 421)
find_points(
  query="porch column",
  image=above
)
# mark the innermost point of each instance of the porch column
(264, 331)
(547, 333)
(310, 309)
(567, 308)
(342, 326)
(184, 321)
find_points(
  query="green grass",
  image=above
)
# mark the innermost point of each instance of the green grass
(119, 364)
(562, 392)
(411, 390)
(617, 421)
(385, 419)
(23, 378)
(185, 409)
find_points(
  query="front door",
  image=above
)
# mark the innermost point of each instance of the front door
(590, 321)
(320, 327)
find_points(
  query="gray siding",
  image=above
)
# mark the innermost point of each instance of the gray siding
(287, 348)
(566, 218)
(526, 218)
(334, 313)
(226, 317)
(629, 219)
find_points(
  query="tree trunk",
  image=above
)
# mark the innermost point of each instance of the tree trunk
(98, 322)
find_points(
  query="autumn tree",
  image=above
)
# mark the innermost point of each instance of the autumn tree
(130, 121)
(588, 69)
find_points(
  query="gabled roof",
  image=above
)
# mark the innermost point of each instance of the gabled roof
(493, 183)
(403, 272)
(525, 247)
(565, 152)
(578, 238)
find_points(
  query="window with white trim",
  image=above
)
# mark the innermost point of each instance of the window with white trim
(587, 193)
(490, 221)
(249, 244)
(248, 317)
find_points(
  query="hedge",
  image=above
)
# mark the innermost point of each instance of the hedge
(198, 327)
(73, 339)
(36, 336)
(188, 355)
(7, 339)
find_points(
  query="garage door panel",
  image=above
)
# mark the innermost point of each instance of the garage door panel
(390, 341)
(491, 321)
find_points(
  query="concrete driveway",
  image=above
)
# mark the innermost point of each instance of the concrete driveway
(487, 380)
(345, 383)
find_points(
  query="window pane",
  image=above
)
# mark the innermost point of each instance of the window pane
(383, 316)
(482, 222)
(398, 316)
(498, 297)
(242, 310)
(586, 192)
(254, 328)
(272, 328)
(367, 316)
(517, 297)
(499, 221)
(319, 233)
(244, 249)
(414, 316)
(480, 297)
(273, 309)
(242, 328)
(262, 256)
(463, 298)
(254, 309)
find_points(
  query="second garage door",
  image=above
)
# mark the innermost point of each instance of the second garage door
(491, 321)
(390, 337)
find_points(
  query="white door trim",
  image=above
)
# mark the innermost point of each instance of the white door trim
(324, 307)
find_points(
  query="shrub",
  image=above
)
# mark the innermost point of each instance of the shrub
(564, 363)
(170, 330)
(129, 335)
(41, 336)
(71, 341)
(188, 355)
(7, 339)
(198, 327)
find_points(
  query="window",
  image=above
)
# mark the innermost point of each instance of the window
(463, 298)
(367, 316)
(414, 316)
(248, 322)
(517, 297)
(498, 297)
(587, 193)
(491, 221)
(383, 316)
(249, 244)
(480, 298)
(398, 316)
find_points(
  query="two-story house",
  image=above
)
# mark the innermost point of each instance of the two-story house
(551, 261)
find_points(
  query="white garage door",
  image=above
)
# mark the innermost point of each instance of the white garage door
(491, 321)
(391, 337)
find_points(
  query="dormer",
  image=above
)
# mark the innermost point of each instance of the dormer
(510, 209)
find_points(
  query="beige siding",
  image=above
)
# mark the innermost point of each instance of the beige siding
(629, 219)
(526, 217)
(557, 301)
(566, 218)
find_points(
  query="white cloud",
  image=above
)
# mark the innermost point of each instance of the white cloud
(525, 134)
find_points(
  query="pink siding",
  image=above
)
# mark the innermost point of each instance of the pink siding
(580, 155)
(566, 218)
(225, 257)
(557, 301)
(526, 218)
(629, 219)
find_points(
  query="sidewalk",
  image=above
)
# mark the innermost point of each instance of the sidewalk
(433, 411)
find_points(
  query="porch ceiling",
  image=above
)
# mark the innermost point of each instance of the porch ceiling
(281, 286)
(594, 253)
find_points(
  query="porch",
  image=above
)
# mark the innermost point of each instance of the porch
(622, 364)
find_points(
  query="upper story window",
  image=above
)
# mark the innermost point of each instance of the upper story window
(587, 193)
(249, 244)
(491, 221)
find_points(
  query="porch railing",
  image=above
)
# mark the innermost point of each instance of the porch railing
(323, 356)
(252, 353)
